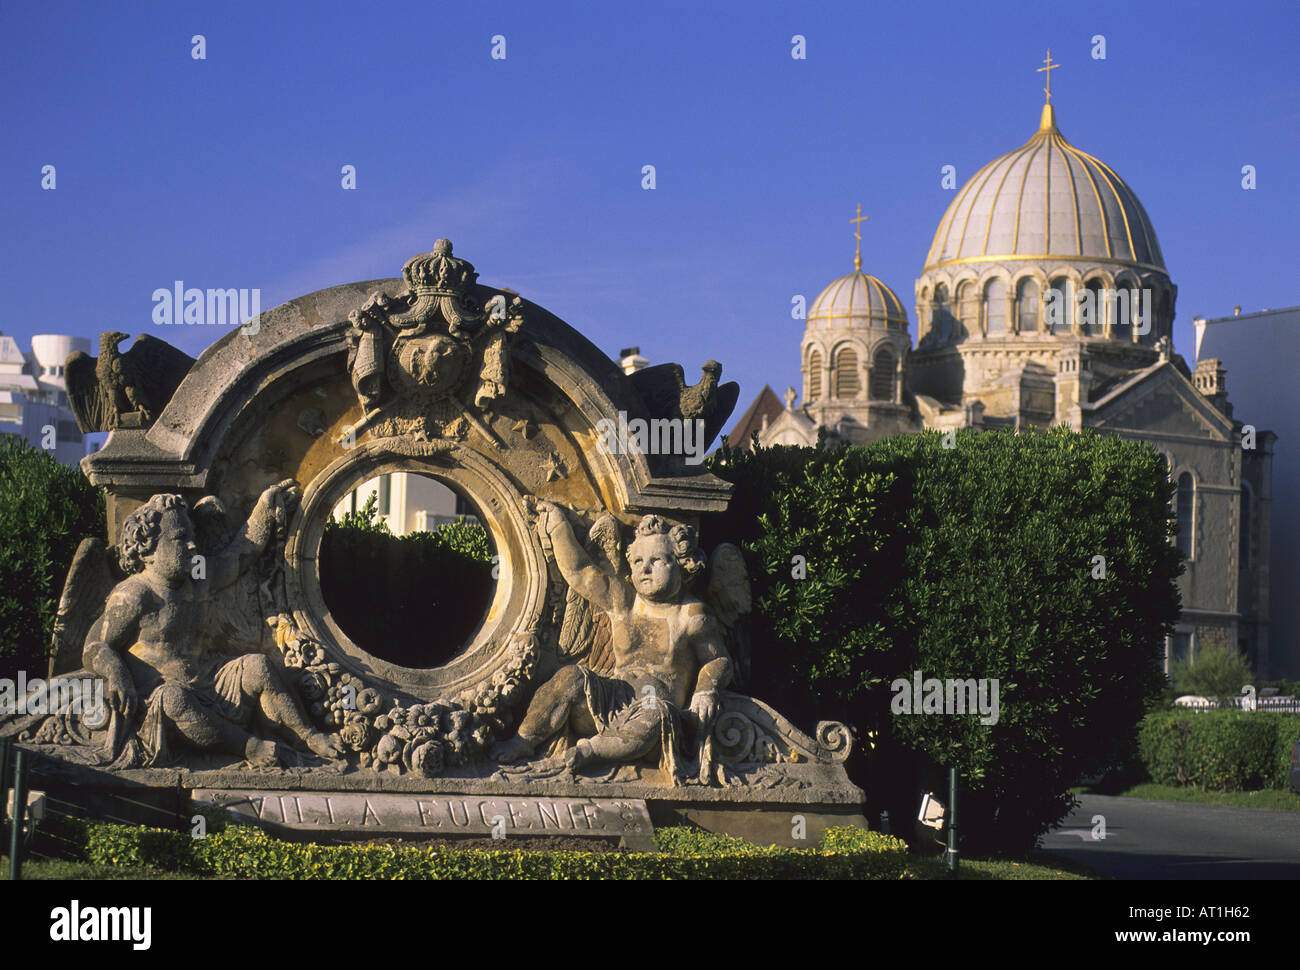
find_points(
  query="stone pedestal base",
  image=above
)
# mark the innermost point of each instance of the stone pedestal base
(314, 803)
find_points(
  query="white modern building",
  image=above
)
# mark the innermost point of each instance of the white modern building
(34, 398)
(407, 503)
(1261, 351)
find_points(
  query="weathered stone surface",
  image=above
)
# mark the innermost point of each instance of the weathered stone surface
(437, 813)
(610, 662)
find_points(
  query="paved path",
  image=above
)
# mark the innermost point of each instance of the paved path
(1175, 840)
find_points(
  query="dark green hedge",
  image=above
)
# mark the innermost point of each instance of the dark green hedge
(46, 509)
(249, 853)
(974, 561)
(389, 592)
(1218, 750)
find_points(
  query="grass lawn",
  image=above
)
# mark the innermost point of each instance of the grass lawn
(1267, 798)
(1044, 866)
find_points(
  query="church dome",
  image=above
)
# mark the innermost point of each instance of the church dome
(1046, 198)
(857, 299)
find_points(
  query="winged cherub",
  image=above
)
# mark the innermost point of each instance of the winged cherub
(148, 647)
(668, 649)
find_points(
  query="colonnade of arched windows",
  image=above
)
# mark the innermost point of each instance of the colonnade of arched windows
(1095, 307)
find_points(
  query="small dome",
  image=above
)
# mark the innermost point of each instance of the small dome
(1046, 198)
(858, 299)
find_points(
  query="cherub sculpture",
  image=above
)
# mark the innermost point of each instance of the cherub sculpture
(162, 687)
(670, 661)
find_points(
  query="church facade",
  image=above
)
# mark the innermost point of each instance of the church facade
(1045, 300)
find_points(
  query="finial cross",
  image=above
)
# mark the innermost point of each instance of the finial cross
(1049, 68)
(857, 234)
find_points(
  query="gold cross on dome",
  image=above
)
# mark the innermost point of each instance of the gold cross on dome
(1050, 67)
(857, 234)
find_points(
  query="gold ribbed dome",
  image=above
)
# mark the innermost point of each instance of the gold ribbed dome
(1046, 199)
(858, 299)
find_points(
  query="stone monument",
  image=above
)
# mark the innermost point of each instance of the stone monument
(598, 696)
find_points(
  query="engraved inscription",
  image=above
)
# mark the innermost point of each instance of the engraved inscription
(466, 815)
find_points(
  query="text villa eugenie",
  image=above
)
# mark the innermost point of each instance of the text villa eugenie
(447, 813)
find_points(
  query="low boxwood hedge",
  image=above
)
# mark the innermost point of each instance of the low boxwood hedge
(247, 852)
(1224, 750)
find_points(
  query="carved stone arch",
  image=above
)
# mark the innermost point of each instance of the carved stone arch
(882, 343)
(811, 346)
(264, 407)
(495, 397)
(1068, 271)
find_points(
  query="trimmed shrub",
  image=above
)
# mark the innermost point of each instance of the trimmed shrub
(1223, 750)
(249, 853)
(1288, 733)
(46, 509)
(1215, 673)
(976, 561)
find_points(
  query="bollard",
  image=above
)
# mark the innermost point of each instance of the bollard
(20, 809)
(6, 746)
(952, 823)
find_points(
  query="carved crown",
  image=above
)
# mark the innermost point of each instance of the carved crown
(439, 273)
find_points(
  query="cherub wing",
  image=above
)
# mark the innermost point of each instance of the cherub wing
(728, 595)
(91, 578)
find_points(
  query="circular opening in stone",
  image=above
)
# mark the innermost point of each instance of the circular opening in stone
(406, 569)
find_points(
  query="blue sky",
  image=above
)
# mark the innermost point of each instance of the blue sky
(225, 172)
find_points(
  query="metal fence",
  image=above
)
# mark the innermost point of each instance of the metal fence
(1276, 705)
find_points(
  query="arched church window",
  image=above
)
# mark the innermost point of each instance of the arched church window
(1092, 310)
(814, 376)
(995, 306)
(968, 309)
(1060, 306)
(846, 373)
(1027, 306)
(941, 319)
(882, 375)
(1124, 311)
(1186, 513)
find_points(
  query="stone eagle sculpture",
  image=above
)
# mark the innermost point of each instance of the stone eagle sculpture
(664, 390)
(124, 390)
